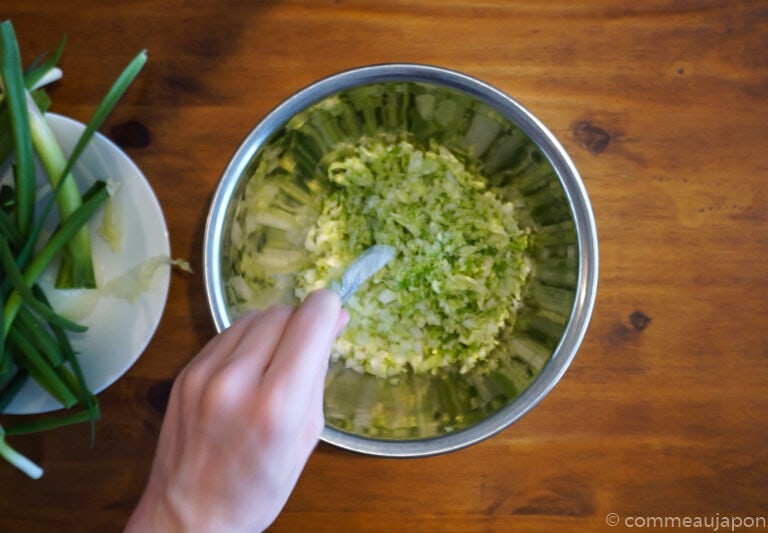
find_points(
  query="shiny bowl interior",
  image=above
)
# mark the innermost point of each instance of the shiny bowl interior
(523, 162)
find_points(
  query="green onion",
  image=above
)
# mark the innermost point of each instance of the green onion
(36, 73)
(58, 240)
(35, 426)
(33, 328)
(76, 269)
(12, 387)
(18, 460)
(12, 84)
(25, 293)
(31, 360)
(33, 338)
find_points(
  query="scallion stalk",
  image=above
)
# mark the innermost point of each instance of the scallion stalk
(58, 240)
(18, 460)
(76, 269)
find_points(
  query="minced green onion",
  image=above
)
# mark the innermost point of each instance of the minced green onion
(454, 286)
(460, 269)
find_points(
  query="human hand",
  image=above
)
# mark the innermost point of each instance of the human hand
(242, 420)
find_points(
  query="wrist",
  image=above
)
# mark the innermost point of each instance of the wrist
(157, 512)
(154, 512)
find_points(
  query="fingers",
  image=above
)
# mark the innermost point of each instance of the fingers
(260, 339)
(230, 367)
(306, 344)
(222, 344)
(286, 347)
(342, 323)
(246, 413)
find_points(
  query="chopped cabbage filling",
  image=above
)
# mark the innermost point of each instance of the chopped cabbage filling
(460, 269)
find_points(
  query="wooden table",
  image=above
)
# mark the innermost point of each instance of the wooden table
(662, 106)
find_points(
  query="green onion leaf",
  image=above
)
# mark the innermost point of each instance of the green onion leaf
(18, 282)
(12, 387)
(13, 86)
(57, 241)
(105, 107)
(86, 398)
(40, 370)
(35, 331)
(36, 72)
(45, 424)
(9, 230)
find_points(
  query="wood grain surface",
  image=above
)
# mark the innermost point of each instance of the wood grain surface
(662, 106)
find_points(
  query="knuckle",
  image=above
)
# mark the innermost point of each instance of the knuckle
(272, 413)
(280, 312)
(219, 393)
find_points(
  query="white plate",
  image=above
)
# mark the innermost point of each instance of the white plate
(118, 329)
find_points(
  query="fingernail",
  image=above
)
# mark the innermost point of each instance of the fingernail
(342, 322)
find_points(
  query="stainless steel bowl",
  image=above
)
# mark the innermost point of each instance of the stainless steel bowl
(421, 416)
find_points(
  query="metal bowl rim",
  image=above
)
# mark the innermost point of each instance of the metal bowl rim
(583, 218)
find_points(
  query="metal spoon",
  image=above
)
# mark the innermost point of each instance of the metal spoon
(363, 268)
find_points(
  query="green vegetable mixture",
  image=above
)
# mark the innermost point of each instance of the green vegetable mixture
(458, 275)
